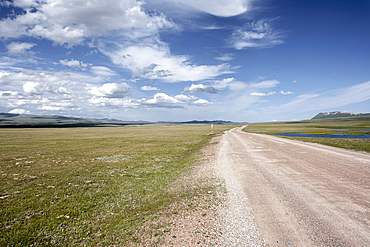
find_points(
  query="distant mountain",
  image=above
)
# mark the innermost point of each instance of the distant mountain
(9, 120)
(204, 122)
(335, 114)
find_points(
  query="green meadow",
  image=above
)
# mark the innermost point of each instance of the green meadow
(91, 186)
(349, 125)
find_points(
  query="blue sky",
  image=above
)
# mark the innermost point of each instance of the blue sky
(178, 60)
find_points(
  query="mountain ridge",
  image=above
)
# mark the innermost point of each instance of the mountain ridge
(336, 114)
(14, 120)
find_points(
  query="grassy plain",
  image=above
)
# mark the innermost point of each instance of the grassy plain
(321, 127)
(91, 186)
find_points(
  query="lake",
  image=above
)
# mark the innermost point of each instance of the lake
(365, 136)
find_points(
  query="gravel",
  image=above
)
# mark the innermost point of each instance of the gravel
(237, 220)
(223, 216)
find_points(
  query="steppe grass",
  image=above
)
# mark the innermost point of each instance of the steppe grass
(91, 186)
(319, 127)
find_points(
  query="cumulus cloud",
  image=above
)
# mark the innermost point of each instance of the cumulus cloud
(70, 22)
(19, 111)
(153, 60)
(34, 88)
(111, 90)
(73, 63)
(159, 100)
(258, 34)
(185, 98)
(202, 102)
(149, 88)
(262, 94)
(200, 88)
(162, 100)
(16, 48)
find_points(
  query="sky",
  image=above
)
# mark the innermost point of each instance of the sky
(180, 60)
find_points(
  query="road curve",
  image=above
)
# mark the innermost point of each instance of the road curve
(301, 194)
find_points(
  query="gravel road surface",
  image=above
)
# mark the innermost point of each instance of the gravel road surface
(288, 193)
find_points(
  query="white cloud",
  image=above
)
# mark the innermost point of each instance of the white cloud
(154, 61)
(21, 76)
(265, 84)
(185, 98)
(224, 8)
(16, 48)
(111, 90)
(34, 88)
(263, 94)
(149, 88)
(202, 102)
(285, 93)
(71, 21)
(258, 34)
(102, 71)
(32, 61)
(161, 100)
(226, 57)
(230, 83)
(222, 84)
(73, 63)
(19, 111)
(327, 101)
(51, 108)
(200, 88)
(114, 102)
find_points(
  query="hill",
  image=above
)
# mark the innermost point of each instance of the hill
(10, 120)
(337, 114)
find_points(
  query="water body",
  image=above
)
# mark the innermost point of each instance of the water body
(365, 136)
(339, 128)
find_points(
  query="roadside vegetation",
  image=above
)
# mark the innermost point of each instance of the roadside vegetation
(92, 186)
(348, 125)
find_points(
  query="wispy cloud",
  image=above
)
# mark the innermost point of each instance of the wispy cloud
(263, 94)
(224, 8)
(326, 101)
(230, 83)
(226, 57)
(257, 34)
(265, 84)
(102, 71)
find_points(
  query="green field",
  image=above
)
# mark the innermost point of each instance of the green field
(321, 127)
(89, 186)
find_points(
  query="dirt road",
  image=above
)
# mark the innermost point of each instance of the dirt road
(300, 194)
